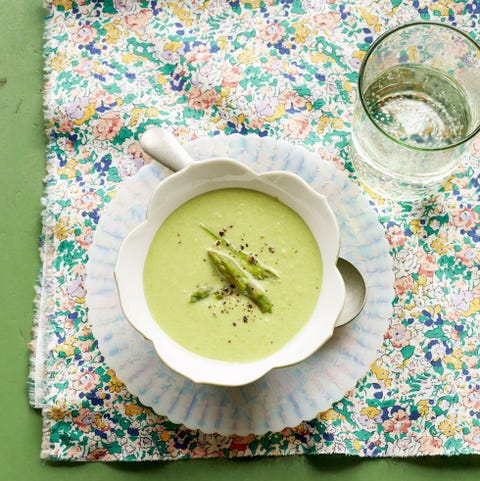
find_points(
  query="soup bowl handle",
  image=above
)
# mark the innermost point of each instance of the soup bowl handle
(165, 148)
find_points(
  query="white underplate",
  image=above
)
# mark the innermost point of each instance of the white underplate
(285, 396)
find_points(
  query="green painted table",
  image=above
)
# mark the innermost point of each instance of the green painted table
(22, 147)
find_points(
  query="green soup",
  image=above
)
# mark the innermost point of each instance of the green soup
(208, 314)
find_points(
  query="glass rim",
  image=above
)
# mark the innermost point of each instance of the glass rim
(375, 43)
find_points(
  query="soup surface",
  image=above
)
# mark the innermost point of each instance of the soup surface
(233, 274)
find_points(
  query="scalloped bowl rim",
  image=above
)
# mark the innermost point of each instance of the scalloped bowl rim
(204, 176)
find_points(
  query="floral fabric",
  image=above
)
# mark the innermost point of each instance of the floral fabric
(285, 69)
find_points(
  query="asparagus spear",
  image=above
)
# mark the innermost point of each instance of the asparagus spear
(201, 293)
(232, 272)
(258, 269)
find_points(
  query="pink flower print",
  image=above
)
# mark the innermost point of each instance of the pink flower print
(84, 34)
(201, 100)
(84, 419)
(107, 127)
(464, 218)
(404, 284)
(396, 237)
(471, 398)
(101, 98)
(84, 381)
(255, 123)
(398, 335)
(84, 239)
(398, 422)
(272, 32)
(292, 100)
(100, 454)
(75, 109)
(274, 65)
(428, 265)
(199, 53)
(473, 437)
(231, 75)
(75, 452)
(475, 147)
(430, 445)
(137, 21)
(297, 127)
(468, 255)
(87, 202)
(327, 21)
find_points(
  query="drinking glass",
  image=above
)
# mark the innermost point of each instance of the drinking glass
(417, 109)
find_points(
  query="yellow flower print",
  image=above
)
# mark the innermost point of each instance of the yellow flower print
(423, 406)
(132, 409)
(113, 33)
(136, 115)
(473, 309)
(277, 114)
(114, 385)
(441, 6)
(302, 32)
(448, 427)
(130, 58)
(223, 42)
(59, 411)
(347, 85)
(61, 231)
(247, 57)
(181, 13)
(357, 445)
(455, 359)
(439, 245)
(67, 347)
(58, 62)
(323, 124)
(416, 225)
(359, 54)
(370, 411)
(172, 46)
(151, 112)
(66, 4)
(372, 20)
(87, 114)
(377, 197)
(330, 415)
(337, 123)
(161, 79)
(164, 436)
(69, 171)
(380, 373)
(319, 57)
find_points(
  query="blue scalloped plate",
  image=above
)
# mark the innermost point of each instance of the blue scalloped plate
(286, 396)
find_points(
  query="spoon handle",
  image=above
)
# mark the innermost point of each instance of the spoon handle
(165, 148)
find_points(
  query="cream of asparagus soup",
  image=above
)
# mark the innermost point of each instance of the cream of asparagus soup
(232, 274)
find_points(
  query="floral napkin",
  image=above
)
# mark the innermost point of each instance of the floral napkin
(285, 69)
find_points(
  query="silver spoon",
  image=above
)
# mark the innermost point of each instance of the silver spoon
(162, 146)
